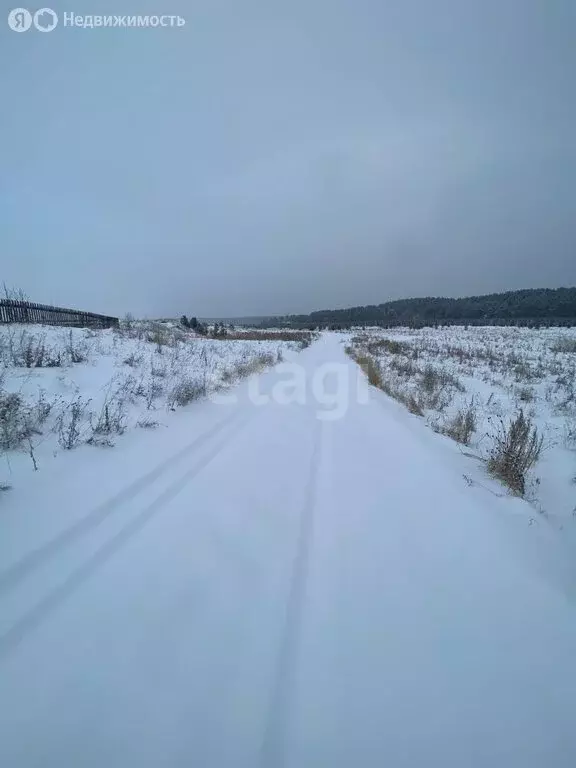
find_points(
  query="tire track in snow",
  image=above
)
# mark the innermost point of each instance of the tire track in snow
(35, 617)
(38, 557)
(277, 725)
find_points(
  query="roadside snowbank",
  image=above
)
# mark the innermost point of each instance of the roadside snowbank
(471, 382)
(62, 388)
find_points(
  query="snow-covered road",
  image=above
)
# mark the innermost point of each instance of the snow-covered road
(262, 588)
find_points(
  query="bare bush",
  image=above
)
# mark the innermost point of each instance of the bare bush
(24, 350)
(69, 423)
(565, 346)
(112, 419)
(516, 449)
(404, 367)
(186, 391)
(75, 352)
(399, 391)
(569, 437)
(431, 388)
(411, 403)
(14, 293)
(388, 345)
(42, 407)
(567, 402)
(462, 426)
(12, 420)
(33, 352)
(53, 359)
(526, 394)
(147, 423)
(158, 335)
(436, 378)
(247, 366)
(133, 360)
(254, 364)
(20, 420)
(524, 372)
(128, 387)
(159, 371)
(151, 392)
(430, 380)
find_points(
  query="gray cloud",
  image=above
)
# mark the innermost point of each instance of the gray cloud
(272, 159)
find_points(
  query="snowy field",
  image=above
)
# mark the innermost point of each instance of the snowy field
(471, 383)
(63, 388)
(255, 586)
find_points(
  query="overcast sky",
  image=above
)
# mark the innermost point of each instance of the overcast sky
(273, 157)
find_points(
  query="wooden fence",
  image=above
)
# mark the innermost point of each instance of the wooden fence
(27, 312)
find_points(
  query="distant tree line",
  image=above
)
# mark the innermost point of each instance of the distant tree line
(533, 307)
(216, 331)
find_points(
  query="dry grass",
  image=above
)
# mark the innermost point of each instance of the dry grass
(533, 370)
(434, 379)
(388, 345)
(371, 369)
(413, 405)
(70, 424)
(20, 420)
(462, 426)
(516, 449)
(244, 368)
(303, 338)
(564, 346)
(375, 377)
(368, 364)
(22, 348)
(526, 394)
(147, 423)
(112, 419)
(186, 391)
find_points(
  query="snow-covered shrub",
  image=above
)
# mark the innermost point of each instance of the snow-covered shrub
(564, 346)
(152, 390)
(70, 426)
(21, 419)
(76, 352)
(516, 449)
(23, 349)
(462, 425)
(254, 364)
(525, 394)
(433, 379)
(112, 418)
(13, 421)
(570, 435)
(503, 369)
(109, 379)
(186, 391)
(391, 346)
(133, 359)
(147, 423)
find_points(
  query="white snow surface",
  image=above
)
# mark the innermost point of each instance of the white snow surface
(257, 587)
